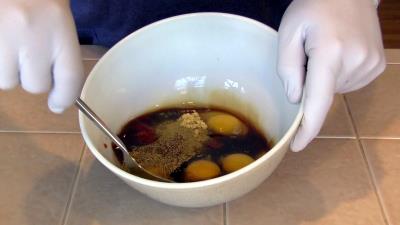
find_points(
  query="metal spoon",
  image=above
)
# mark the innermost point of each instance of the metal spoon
(129, 162)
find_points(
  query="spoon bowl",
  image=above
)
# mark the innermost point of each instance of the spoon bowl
(129, 163)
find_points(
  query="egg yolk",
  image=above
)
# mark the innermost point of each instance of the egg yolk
(226, 124)
(201, 170)
(158, 171)
(235, 162)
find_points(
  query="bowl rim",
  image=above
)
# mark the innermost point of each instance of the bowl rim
(190, 185)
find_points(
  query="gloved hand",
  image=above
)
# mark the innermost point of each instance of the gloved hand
(40, 50)
(340, 41)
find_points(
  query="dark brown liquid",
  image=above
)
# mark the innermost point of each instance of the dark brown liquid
(140, 131)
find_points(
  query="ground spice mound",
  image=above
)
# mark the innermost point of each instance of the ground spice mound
(178, 141)
(192, 120)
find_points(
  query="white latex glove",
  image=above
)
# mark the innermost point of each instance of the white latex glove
(342, 40)
(40, 50)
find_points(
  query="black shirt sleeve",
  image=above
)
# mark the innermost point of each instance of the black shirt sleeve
(108, 21)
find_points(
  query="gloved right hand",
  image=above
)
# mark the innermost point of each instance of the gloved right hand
(340, 42)
(39, 49)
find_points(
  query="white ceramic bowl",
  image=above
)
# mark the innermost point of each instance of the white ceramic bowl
(201, 59)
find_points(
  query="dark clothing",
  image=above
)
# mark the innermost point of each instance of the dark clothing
(105, 22)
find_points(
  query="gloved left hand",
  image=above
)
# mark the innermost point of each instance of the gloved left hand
(39, 49)
(342, 40)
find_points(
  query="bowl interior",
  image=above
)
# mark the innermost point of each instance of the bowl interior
(202, 59)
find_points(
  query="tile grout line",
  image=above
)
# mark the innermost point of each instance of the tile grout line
(335, 137)
(225, 213)
(379, 138)
(74, 186)
(367, 164)
(84, 59)
(379, 193)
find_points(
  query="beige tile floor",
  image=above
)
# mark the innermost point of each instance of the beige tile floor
(349, 175)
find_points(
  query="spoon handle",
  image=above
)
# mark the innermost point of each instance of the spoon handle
(129, 162)
(99, 123)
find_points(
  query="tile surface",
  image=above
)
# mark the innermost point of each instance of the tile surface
(337, 123)
(392, 56)
(21, 111)
(37, 172)
(384, 158)
(376, 108)
(102, 198)
(328, 183)
(92, 52)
